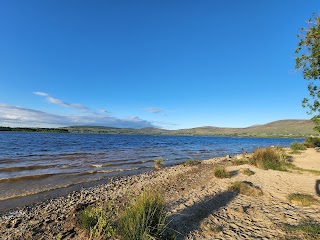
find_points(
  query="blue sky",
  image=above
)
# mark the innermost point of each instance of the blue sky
(170, 64)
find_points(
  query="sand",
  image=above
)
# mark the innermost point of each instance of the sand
(200, 205)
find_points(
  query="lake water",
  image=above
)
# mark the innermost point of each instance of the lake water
(36, 162)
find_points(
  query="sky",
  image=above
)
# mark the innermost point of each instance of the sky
(168, 64)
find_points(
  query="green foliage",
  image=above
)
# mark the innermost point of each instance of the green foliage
(302, 199)
(270, 158)
(297, 146)
(308, 60)
(97, 221)
(144, 219)
(246, 188)
(309, 229)
(315, 141)
(221, 172)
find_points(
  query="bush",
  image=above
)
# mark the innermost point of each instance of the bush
(144, 219)
(297, 146)
(302, 199)
(246, 188)
(97, 221)
(313, 141)
(221, 172)
(269, 158)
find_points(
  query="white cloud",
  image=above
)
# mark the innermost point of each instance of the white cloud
(154, 110)
(14, 116)
(61, 102)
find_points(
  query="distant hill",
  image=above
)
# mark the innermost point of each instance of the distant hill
(282, 128)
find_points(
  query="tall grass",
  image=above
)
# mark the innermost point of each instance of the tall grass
(144, 219)
(270, 158)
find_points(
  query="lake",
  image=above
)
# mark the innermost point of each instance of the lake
(40, 162)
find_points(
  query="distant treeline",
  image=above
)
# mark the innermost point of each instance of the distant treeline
(26, 129)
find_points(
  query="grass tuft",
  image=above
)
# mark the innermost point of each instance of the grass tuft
(221, 172)
(270, 158)
(247, 172)
(144, 219)
(158, 163)
(309, 229)
(302, 199)
(297, 146)
(246, 188)
(238, 162)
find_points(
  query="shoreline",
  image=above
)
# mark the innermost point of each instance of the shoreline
(189, 191)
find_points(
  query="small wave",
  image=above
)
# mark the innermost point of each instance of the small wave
(33, 177)
(24, 168)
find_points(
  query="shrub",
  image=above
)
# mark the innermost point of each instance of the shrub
(269, 158)
(302, 199)
(315, 141)
(144, 219)
(97, 221)
(308, 144)
(221, 172)
(246, 188)
(297, 146)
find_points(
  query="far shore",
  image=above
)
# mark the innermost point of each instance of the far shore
(196, 200)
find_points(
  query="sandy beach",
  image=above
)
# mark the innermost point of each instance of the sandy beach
(200, 206)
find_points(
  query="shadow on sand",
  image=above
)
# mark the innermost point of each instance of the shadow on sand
(190, 218)
(317, 187)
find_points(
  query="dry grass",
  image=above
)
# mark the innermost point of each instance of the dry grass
(302, 199)
(307, 228)
(242, 161)
(270, 158)
(246, 188)
(158, 164)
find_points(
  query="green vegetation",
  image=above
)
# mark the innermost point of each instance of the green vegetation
(308, 228)
(98, 221)
(308, 60)
(144, 219)
(313, 141)
(302, 199)
(58, 130)
(246, 188)
(221, 172)
(297, 146)
(270, 158)
(247, 172)
(158, 163)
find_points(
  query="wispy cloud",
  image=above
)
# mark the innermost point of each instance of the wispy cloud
(15, 116)
(155, 110)
(61, 102)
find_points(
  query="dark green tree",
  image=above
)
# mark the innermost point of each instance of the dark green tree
(308, 60)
